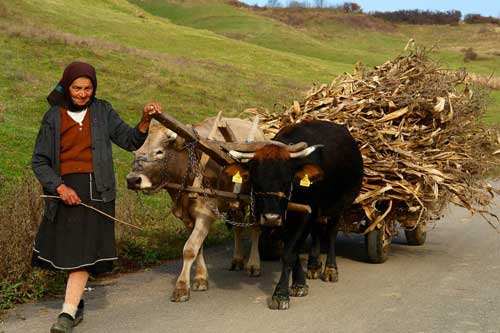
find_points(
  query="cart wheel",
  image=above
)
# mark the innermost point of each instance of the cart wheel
(416, 236)
(377, 245)
(270, 246)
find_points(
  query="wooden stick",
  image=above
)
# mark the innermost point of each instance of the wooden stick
(97, 210)
(253, 129)
(204, 157)
(212, 150)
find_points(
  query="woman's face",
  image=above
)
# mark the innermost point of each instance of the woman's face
(81, 91)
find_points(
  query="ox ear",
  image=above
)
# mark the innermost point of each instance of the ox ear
(235, 169)
(308, 174)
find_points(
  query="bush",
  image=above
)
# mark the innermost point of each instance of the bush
(469, 54)
(30, 286)
(479, 19)
(416, 16)
(20, 212)
(300, 4)
(351, 7)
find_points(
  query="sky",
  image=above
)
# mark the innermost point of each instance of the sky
(483, 7)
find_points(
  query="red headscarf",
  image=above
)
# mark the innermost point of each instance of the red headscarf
(61, 96)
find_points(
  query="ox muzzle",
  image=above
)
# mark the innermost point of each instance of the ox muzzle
(279, 203)
(138, 181)
(270, 220)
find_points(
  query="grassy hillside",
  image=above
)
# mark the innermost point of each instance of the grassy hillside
(335, 37)
(194, 56)
(261, 28)
(137, 59)
(331, 35)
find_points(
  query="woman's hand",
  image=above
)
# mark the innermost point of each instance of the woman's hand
(150, 109)
(68, 195)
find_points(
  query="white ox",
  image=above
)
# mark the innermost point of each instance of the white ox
(164, 158)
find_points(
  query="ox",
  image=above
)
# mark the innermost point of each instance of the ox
(164, 158)
(326, 174)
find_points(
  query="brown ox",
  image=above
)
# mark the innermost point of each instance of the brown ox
(164, 157)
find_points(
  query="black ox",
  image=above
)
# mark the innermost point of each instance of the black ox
(325, 174)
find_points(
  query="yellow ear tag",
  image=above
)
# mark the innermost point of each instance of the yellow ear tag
(305, 181)
(237, 178)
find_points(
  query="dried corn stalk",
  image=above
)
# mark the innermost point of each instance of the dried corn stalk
(417, 127)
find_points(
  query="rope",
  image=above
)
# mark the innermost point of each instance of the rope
(97, 210)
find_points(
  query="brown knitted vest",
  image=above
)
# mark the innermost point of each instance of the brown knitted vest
(76, 145)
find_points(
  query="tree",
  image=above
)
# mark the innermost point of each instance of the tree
(293, 3)
(351, 7)
(320, 3)
(273, 3)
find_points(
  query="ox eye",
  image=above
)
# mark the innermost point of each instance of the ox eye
(159, 153)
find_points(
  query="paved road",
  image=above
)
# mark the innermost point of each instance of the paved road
(451, 284)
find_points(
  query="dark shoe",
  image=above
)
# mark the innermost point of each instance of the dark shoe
(79, 313)
(64, 324)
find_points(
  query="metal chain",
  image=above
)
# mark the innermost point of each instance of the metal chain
(195, 165)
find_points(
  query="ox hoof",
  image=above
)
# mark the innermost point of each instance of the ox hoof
(279, 303)
(299, 290)
(237, 264)
(200, 285)
(180, 295)
(253, 271)
(330, 274)
(314, 271)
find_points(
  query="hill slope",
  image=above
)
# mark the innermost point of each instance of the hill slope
(331, 35)
(138, 59)
(196, 57)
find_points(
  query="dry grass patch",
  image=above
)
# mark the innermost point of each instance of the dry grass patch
(2, 119)
(301, 17)
(490, 82)
(20, 213)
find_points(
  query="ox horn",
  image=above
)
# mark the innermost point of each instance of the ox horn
(250, 147)
(171, 135)
(246, 151)
(238, 155)
(305, 152)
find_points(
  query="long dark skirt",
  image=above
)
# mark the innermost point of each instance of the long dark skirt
(79, 237)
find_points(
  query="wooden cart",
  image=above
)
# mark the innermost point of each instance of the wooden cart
(378, 236)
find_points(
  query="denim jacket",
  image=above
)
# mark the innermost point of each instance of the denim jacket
(106, 126)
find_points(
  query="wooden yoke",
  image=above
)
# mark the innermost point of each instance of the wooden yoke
(250, 138)
(198, 181)
(211, 149)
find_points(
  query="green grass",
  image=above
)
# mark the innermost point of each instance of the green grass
(332, 37)
(101, 20)
(191, 92)
(252, 28)
(492, 116)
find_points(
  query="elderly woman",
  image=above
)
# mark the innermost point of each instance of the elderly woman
(72, 159)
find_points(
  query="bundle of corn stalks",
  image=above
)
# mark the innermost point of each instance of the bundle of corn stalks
(418, 129)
